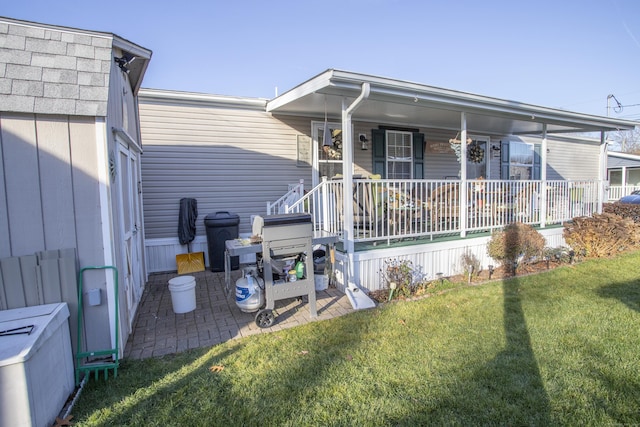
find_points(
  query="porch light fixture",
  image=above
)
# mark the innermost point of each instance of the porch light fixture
(364, 140)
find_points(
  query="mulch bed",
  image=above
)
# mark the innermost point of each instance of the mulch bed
(500, 272)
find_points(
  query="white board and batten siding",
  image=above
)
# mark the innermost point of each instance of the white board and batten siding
(226, 152)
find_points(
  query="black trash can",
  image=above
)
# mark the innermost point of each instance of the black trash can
(220, 227)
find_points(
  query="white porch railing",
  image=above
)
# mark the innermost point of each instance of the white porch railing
(281, 205)
(618, 191)
(398, 209)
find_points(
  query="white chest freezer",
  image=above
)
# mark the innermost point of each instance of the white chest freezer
(36, 368)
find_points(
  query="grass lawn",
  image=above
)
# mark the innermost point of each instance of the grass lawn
(557, 348)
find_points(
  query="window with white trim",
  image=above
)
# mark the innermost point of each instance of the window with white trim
(521, 160)
(399, 154)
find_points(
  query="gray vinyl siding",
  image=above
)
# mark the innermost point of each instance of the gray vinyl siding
(570, 158)
(436, 165)
(228, 158)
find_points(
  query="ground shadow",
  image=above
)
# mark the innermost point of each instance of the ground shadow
(628, 293)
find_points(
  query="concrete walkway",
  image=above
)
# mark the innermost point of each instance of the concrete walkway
(158, 331)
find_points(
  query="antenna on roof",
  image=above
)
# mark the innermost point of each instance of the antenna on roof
(617, 108)
(276, 91)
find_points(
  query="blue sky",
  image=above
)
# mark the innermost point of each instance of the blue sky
(568, 54)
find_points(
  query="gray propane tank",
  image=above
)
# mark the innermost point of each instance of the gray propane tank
(249, 291)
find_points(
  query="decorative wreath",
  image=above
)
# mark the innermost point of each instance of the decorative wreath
(475, 153)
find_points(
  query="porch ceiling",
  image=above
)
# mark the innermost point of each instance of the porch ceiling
(395, 102)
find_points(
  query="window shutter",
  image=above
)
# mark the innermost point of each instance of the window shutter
(504, 160)
(418, 156)
(536, 161)
(379, 152)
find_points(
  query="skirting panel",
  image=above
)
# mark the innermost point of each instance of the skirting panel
(428, 259)
(160, 254)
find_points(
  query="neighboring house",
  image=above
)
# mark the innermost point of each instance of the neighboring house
(623, 173)
(419, 185)
(70, 161)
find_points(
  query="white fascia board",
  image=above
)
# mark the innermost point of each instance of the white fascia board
(315, 84)
(132, 48)
(623, 155)
(201, 98)
(492, 106)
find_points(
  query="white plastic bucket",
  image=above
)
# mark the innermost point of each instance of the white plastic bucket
(183, 294)
(321, 282)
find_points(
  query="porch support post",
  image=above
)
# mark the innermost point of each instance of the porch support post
(347, 172)
(543, 178)
(602, 172)
(463, 175)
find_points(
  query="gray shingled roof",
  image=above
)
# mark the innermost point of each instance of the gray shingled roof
(48, 69)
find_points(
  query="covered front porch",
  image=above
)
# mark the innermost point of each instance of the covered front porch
(429, 223)
(399, 162)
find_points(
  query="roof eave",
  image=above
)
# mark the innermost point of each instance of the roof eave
(347, 84)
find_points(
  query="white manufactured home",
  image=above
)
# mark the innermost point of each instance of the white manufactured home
(623, 173)
(70, 172)
(396, 169)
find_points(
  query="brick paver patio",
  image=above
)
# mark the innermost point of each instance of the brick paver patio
(158, 331)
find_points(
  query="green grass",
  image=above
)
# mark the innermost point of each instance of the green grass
(558, 348)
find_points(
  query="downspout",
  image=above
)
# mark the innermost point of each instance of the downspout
(463, 175)
(347, 159)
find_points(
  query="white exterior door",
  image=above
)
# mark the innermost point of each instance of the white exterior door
(132, 277)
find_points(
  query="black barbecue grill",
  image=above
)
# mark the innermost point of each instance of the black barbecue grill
(285, 237)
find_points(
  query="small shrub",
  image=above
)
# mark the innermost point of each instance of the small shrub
(470, 265)
(401, 274)
(602, 235)
(561, 254)
(517, 243)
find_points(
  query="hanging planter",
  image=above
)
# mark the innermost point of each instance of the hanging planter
(456, 146)
(334, 151)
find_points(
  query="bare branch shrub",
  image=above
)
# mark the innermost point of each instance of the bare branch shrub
(602, 235)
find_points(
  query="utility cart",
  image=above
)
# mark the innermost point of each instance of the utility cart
(285, 237)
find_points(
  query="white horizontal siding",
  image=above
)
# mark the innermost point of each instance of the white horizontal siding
(228, 158)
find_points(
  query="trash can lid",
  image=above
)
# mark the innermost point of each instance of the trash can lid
(222, 218)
